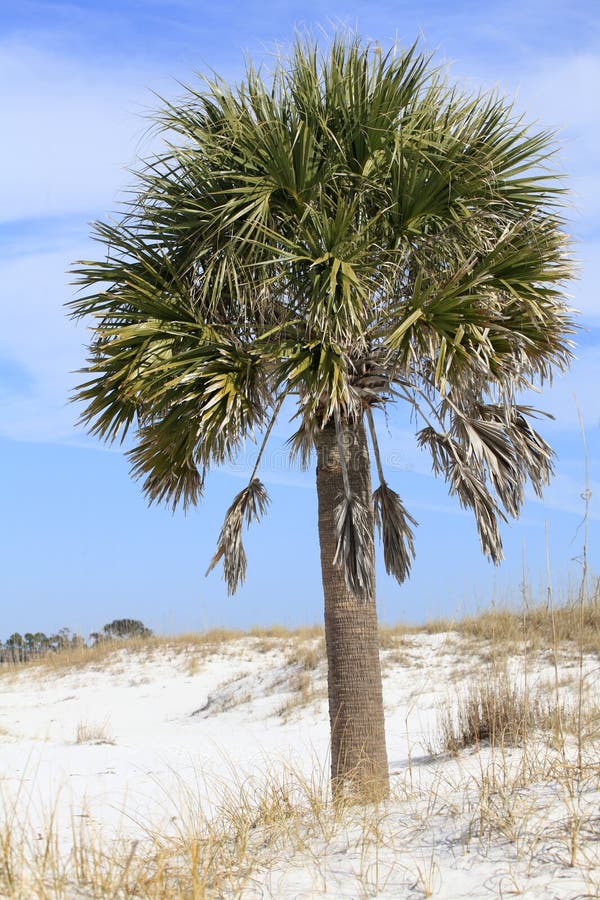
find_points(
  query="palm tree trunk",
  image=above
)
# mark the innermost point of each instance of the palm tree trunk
(358, 751)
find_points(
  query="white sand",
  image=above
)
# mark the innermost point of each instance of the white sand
(180, 723)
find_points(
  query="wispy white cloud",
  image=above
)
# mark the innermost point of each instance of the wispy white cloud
(39, 338)
(70, 129)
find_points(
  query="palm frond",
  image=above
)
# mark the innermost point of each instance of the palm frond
(166, 459)
(247, 506)
(353, 526)
(351, 231)
(302, 442)
(468, 481)
(474, 494)
(394, 525)
(354, 545)
(392, 519)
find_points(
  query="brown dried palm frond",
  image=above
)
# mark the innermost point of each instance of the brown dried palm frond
(353, 527)
(501, 439)
(393, 522)
(392, 518)
(467, 480)
(354, 550)
(474, 494)
(302, 442)
(487, 444)
(487, 451)
(250, 504)
(535, 453)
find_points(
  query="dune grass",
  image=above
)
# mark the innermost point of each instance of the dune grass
(272, 833)
(512, 769)
(93, 733)
(505, 628)
(206, 643)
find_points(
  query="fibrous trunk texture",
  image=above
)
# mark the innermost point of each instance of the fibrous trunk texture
(358, 752)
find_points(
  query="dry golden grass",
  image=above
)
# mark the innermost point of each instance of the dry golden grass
(303, 693)
(527, 735)
(282, 821)
(305, 633)
(497, 631)
(259, 822)
(392, 637)
(307, 654)
(93, 733)
(494, 710)
(541, 626)
(305, 658)
(501, 705)
(205, 644)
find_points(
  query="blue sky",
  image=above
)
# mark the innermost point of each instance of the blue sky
(79, 546)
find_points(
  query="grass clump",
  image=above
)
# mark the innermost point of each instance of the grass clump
(258, 822)
(305, 660)
(573, 622)
(307, 656)
(93, 733)
(494, 711)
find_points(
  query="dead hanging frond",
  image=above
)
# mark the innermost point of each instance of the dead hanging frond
(500, 440)
(392, 519)
(488, 443)
(353, 530)
(302, 442)
(250, 504)
(354, 545)
(488, 452)
(536, 455)
(474, 494)
(394, 525)
(467, 480)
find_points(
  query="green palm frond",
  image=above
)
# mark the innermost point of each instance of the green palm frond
(348, 232)
(167, 462)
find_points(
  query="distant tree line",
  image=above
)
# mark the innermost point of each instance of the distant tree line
(121, 628)
(22, 647)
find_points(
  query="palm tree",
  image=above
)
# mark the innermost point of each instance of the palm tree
(350, 233)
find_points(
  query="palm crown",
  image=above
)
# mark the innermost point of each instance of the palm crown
(350, 232)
